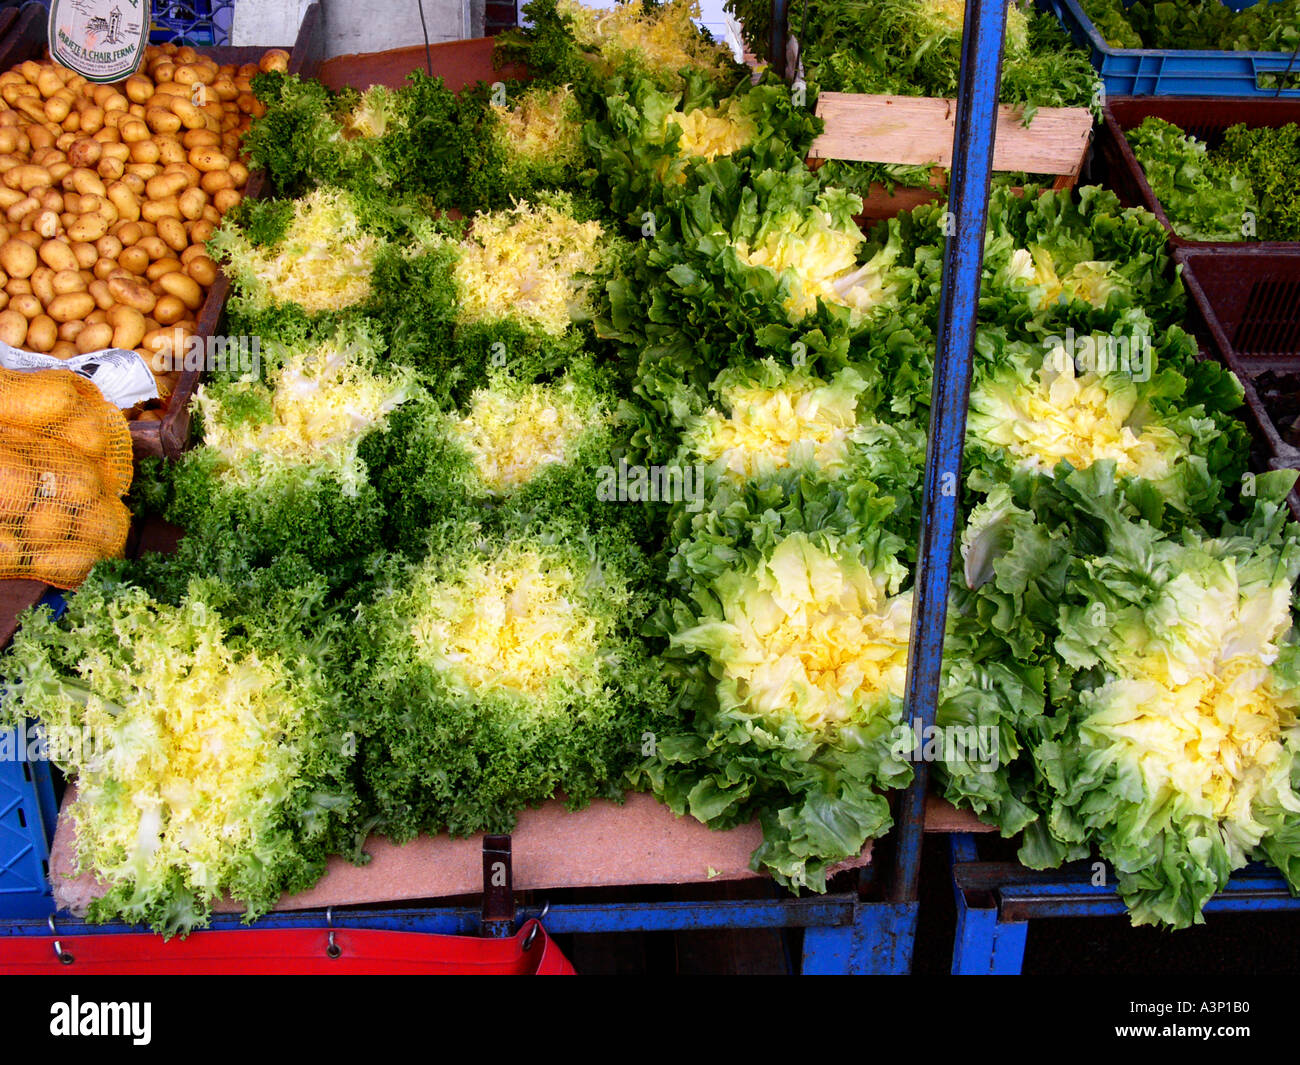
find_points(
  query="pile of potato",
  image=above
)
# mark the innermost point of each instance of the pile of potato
(65, 463)
(108, 194)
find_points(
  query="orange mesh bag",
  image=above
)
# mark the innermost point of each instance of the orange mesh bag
(65, 463)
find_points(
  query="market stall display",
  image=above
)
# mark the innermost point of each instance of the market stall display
(603, 474)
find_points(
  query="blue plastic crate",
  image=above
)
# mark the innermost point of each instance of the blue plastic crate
(29, 809)
(1157, 72)
(27, 814)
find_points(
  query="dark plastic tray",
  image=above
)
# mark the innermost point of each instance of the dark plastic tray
(1246, 305)
(1205, 118)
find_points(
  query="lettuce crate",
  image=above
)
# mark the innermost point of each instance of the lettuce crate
(1167, 72)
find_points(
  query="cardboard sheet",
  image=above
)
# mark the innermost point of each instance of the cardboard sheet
(640, 842)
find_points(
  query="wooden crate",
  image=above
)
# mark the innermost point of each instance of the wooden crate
(919, 130)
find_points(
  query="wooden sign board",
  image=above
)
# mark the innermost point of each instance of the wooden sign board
(918, 131)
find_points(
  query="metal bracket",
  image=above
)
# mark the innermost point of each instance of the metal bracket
(59, 952)
(498, 888)
(332, 950)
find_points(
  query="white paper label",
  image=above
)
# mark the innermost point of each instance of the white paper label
(119, 373)
(102, 40)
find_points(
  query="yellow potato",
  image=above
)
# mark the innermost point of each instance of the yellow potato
(64, 565)
(191, 117)
(166, 184)
(208, 158)
(173, 234)
(183, 287)
(47, 79)
(144, 171)
(84, 181)
(45, 396)
(71, 306)
(144, 151)
(110, 169)
(202, 269)
(85, 152)
(108, 246)
(89, 227)
(133, 294)
(128, 326)
(162, 119)
(170, 309)
(92, 119)
(170, 151)
(202, 230)
(199, 138)
(134, 259)
(275, 59)
(28, 205)
(124, 200)
(13, 327)
(99, 291)
(94, 337)
(26, 304)
(42, 280)
(87, 431)
(162, 266)
(42, 333)
(18, 258)
(128, 232)
(48, 522)
(65, 281)
(57, 255)
(155, 248)
(85, 253)
(138, 88)
(153, 210)
(45, 222)
(17, 483)
(225, 199)
(28, 176)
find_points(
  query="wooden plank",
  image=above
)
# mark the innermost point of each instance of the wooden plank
(639, 842)
(918, 131)
(943, 816)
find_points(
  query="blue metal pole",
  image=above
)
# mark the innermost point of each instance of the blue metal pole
(778, 34)
(968, 201)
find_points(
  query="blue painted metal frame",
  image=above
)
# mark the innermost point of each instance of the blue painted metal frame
(968, 202)
(843, 935)
(997, 900)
